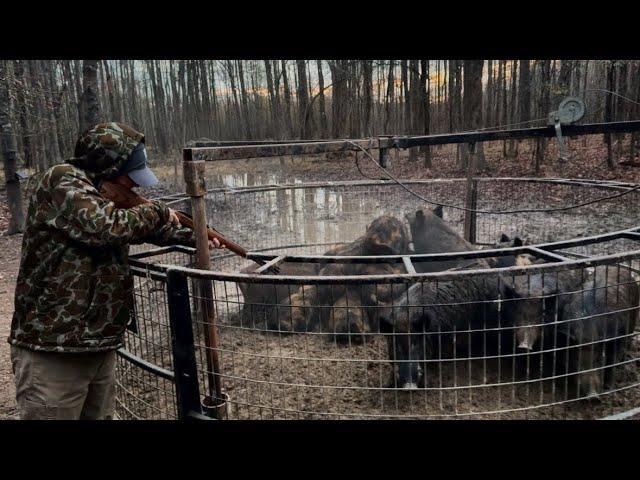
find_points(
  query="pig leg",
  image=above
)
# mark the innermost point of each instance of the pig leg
(589, 379)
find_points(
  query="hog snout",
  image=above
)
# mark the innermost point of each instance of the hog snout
(410, 386)
(408, 375)
(524, 345)
(526, 339)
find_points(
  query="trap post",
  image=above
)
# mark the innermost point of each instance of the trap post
(215, 402)
(383, 158)
(184, 356)
(471, 198)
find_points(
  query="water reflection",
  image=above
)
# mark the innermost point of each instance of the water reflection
(300, 216)
(248, 179)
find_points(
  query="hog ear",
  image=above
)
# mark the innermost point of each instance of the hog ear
(420, 218)
(517, 242)
(504, 238)
(410, 219)
(438, 211)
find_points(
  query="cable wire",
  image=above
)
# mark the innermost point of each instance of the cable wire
(491, 212)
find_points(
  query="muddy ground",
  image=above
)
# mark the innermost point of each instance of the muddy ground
(295, 385)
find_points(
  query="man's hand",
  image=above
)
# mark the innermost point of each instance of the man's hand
(215, 243)
(173, 218)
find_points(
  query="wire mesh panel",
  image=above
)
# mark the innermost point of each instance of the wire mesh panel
(284, 218)
(510, 336)
(141, 393)
(560, 344)
(549, 226)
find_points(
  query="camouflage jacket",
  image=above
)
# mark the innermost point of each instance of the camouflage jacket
(74, 292)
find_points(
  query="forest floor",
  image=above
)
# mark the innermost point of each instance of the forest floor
(586, 161)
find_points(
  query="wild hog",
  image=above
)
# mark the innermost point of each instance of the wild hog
(311, 308)
(431, 234)
(386, 235)
(598, 322)
(260, 298)
(579, 317)
(351, 316)
(533, 304)
(436, 320)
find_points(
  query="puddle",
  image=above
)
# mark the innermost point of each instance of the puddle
(248, 179)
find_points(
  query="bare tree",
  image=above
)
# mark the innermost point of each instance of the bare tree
(321, 100)
(472, 107)
(544, 80)
(9, 149)
(303, 98)
(89, 107)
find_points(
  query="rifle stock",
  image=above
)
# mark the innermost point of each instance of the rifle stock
(124, 197)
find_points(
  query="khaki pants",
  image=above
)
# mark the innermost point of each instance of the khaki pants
(64, 386)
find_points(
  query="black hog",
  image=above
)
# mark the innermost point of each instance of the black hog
(532, 303)
(585, 320)
(438, 320)
(597, 323)
(431, 234)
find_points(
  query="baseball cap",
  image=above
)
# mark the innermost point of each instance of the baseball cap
(137, 167)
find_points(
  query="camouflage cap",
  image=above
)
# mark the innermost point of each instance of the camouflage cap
(102, 150)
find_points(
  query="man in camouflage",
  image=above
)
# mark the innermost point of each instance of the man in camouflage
(74, 292)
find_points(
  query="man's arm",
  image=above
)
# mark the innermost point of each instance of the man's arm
(78, 209)
(170, 235)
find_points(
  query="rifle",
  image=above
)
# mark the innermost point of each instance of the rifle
(124, 197)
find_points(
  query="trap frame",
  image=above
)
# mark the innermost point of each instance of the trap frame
(191, 377)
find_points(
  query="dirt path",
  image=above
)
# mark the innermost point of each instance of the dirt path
(9, 262)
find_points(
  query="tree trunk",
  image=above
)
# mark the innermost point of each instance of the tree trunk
(543, 109)
(488, 117)
(388, 101)
(287, 99)
(115, 113)
(9, 149)
(321, 100)
(303, 98)
(338, 98)
(472, 108)
(425, 90)
(414, 105)
(367, 97)
(512, 145)
(88, 107)
(245, 105)
(608, 113)
(406, 120)
(21, 93)
(272, 101)
(52, 101)
(620, 114)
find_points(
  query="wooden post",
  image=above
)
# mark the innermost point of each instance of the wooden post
(215, 403)
(471, 199)
(383, 158)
